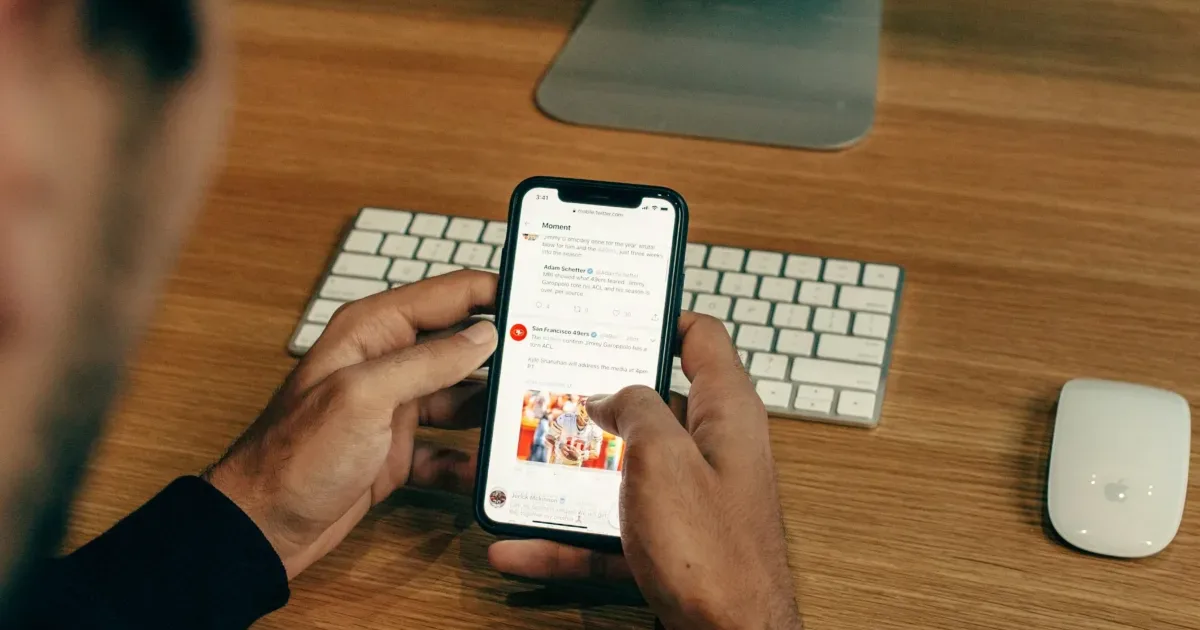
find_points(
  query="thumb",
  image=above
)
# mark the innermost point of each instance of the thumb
(389, 381)
(638, 415)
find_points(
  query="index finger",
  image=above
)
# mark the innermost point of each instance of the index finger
(386, 322)
(723, 410)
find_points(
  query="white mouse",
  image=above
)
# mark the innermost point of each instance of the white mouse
(1119, 467)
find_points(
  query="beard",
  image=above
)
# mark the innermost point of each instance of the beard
(66, 431)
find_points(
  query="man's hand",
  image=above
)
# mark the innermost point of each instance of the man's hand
(700, 521)
(338, 437)
(591, 452)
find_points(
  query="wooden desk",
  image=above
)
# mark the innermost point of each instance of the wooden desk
(1035, 166)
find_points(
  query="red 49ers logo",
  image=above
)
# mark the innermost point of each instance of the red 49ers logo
(518, 332)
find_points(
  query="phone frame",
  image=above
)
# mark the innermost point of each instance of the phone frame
(586, 192)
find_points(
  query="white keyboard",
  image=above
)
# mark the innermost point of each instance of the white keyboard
(815, 334)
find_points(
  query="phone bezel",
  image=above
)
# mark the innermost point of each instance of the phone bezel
(598, 193)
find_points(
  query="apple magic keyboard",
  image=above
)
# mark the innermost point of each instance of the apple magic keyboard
(815, 334)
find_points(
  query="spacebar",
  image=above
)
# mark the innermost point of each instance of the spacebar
(836, 373)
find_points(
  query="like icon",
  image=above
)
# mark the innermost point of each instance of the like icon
(518, 332)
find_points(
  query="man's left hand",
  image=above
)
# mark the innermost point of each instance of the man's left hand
(339, 436)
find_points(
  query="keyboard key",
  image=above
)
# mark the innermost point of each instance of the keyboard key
(795, 342)
(871, 325)
(400, 246)
(831, 320)
(436, 250)
(348, 289)
(714, 305)
(851, 349)
(835, 373)
(473, 255)
(791, 316)
(685, 300)
(308, 335)
(856, 404)
(816, 293)
(755, 337)
(803, 267)
(744, 356)
(774, 393)
(322, 310)
(679, 383)
(394, 221)
(361, 265)
(429, 225)
(725, 258)
(881, 276)
(362, 242)
(810, 398)
(777, 289)
(742, 284)
(860, 299)
(730, 328)
(841, 271)
(496, 258)
(764, 263)
(766, 365)
(694, 255)
(437, 269)
(464, 229)
(407, 270)
(495, 233)
(751, 311)
(700, 280)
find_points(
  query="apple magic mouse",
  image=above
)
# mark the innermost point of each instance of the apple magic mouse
(1118, 467)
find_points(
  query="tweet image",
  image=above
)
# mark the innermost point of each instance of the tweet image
(555, 429)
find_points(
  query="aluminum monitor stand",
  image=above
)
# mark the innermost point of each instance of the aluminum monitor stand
(795, 73)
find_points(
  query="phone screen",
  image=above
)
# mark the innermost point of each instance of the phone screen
(585, 315)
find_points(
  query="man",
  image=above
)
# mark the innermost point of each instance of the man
(572, 439)
(110, 114)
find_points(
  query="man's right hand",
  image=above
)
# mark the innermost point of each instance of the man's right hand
(700, 522)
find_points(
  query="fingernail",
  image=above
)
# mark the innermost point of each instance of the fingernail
(482, 333)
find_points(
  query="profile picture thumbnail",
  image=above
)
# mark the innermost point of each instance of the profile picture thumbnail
(555, 429)
(529, 237)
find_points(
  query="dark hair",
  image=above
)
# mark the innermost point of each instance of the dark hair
(161, 35)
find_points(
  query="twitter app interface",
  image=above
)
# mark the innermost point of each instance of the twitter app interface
(586, 311)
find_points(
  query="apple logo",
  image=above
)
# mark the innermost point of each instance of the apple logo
(1115, 492)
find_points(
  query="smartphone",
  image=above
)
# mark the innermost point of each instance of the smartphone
(587, 303)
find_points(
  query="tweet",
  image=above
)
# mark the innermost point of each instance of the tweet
(585, 317)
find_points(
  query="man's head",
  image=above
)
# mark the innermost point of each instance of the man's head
(110, 114)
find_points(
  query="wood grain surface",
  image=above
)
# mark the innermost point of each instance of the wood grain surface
(1035, 166)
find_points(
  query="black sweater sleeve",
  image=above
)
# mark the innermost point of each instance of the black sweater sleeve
(189, 559)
